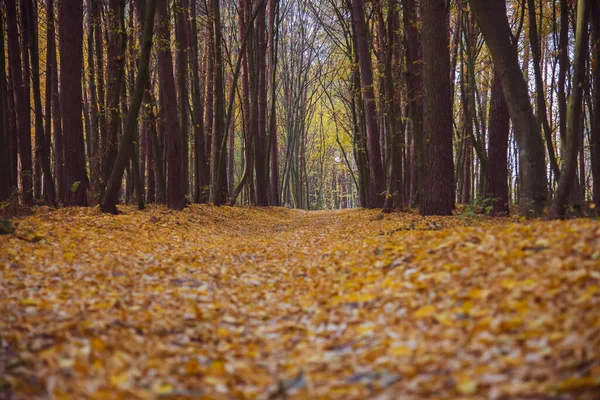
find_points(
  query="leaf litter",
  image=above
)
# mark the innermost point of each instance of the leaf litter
(219, 303)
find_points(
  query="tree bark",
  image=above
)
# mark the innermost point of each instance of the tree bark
(175, 192)
(575, 108)
(21, 105)
(219, 148)
(201, 167)
(109, 204)
(5, 162)
(414, 87)
(595, 133)
(42, 150)
(376, 175)
(497, 173)
(539, 87)
(492, 20)
(70, 23)
(438, 179)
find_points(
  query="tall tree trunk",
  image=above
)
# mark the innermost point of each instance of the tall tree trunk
(539, 86)
(115, 82)
(438, 179)
(109, 203)
(262, 171)
(175, 192)
(70, 23)
(376, 175)
(414, 87)
(42, 151)
(181, 72)
(52, 82)
(5, 162)
(24, 36)
(273, 156)
(21, 105)
(95, 134)
(595, 133)
(563, 61)
(209, 67)
(201, 168)
(219, 150)
(574, 125)
(492, 20)
(497, 173)
(395, 128)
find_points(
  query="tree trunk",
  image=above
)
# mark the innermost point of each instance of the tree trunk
(42, 151)
(539, 87)
(21, 105)
(438, 179)
(414, 87)
(115, 81)
(126, 146)
(175, 191)
(575, 108)
(595, 133)
(262, 171)
(201, 168)
(5, 162)
(273, 156)
(376, 175)
(70, 23)
(492, 20)
(181, 72)
(497, 173)
(219, 148)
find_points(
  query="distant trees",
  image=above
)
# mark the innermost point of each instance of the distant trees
(305, 103)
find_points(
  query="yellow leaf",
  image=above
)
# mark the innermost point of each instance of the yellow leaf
(69, 257)
(97, 344)
(162, 389)
(466, 386)
(119, 379)
(425, 311)
(30, 302)
(401, 351)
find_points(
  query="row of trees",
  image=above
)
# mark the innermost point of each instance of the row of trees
(311, 104)
(465, 83)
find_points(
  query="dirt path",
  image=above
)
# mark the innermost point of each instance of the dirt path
(255, 303)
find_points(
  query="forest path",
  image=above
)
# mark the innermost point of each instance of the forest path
(263, 303)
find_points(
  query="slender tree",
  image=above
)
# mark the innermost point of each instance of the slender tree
(438, 179)
(70, 22)
(175, 190)
(109, 203)
(494, 26)
(21, 105)
(574, 128)
(376, 174)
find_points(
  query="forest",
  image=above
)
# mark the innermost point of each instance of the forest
(272, 199)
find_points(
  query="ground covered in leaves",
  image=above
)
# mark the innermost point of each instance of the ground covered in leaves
(268, 303)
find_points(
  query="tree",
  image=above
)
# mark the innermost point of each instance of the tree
(494, 26)
(70, 22)
(41, 144)
(497, 172)
(574, 128)
(109, 203)
(21, 105)
(595, 134)
(376, 174)
(438, 179)
(175, 192)
(5, 168)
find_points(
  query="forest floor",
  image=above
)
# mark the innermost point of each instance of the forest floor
(268, 303)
